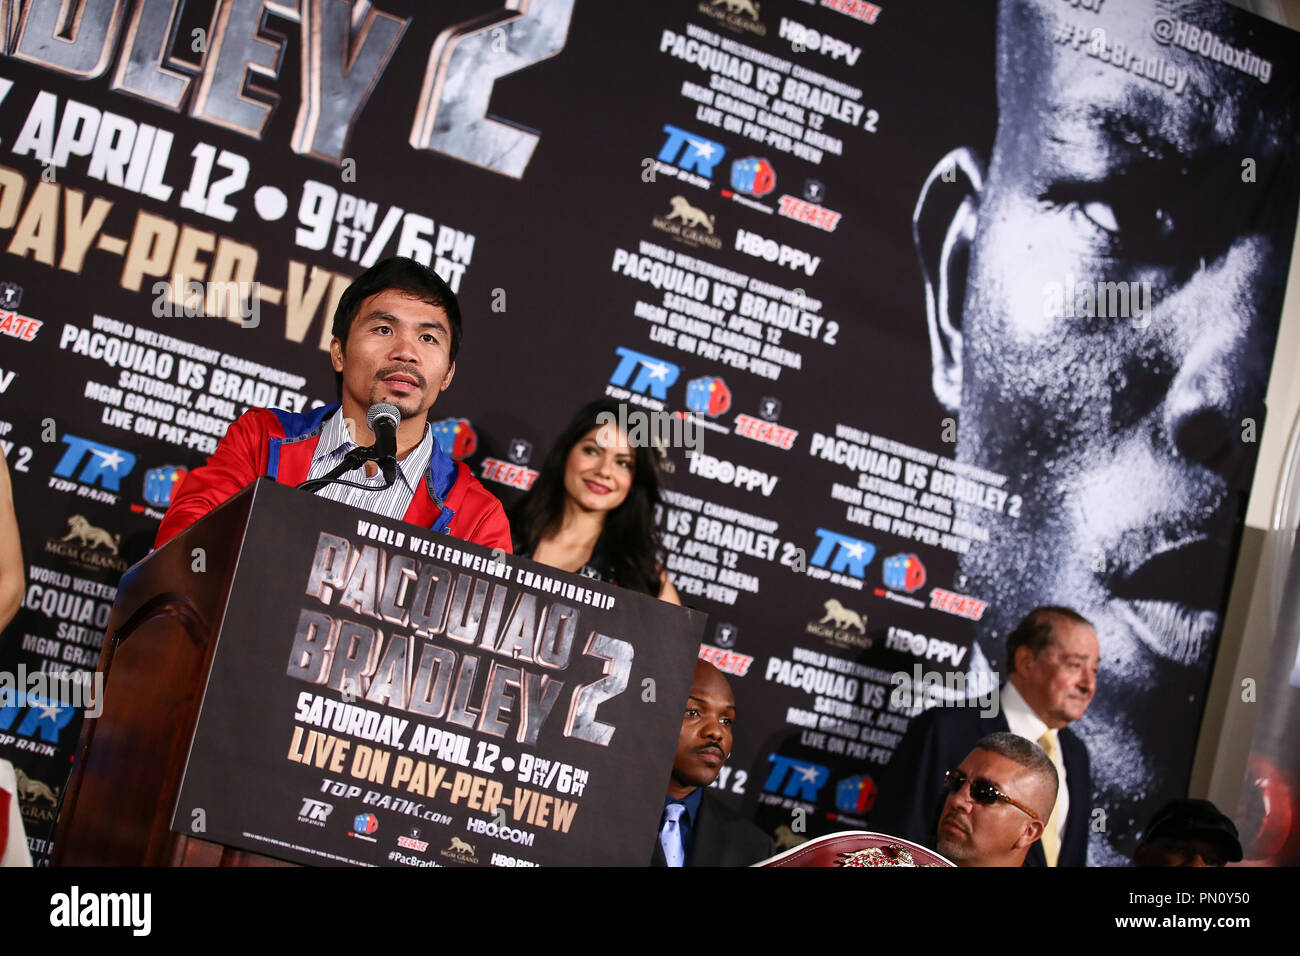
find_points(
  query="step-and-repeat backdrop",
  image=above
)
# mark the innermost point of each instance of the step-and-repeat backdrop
(973, 305)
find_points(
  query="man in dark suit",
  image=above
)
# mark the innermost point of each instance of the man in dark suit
(1052, 659)
(698, 829)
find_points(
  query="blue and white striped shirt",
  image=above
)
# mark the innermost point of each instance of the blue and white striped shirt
(392, 502)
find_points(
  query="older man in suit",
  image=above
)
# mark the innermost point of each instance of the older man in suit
(1052, 661)
(698, 829)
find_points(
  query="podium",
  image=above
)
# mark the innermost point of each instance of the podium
(295, 681)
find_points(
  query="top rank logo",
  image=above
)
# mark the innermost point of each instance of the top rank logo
(315, 812)
(689, 157)
(800, 779)
(838, 553)
(106, 465)
(644, 373)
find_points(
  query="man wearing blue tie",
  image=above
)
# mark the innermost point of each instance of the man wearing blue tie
(698, 829)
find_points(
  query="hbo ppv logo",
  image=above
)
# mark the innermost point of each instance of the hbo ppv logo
(719, 469)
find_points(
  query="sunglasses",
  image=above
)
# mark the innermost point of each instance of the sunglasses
(982, 791)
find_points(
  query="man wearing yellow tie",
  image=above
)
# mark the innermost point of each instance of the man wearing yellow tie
(1052, 659)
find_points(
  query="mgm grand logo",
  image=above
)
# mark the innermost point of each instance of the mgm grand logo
(33, 797)
(460, 851)
(738, 14)
(88, 546)
(841, 627)
(688, 223)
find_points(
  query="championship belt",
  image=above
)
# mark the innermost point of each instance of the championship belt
(858, 848)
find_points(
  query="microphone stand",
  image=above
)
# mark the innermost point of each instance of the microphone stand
(354, 459)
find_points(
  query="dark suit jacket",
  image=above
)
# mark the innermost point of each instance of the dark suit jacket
(722, 838)
(912, 795)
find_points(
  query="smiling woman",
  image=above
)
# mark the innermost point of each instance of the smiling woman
(592, 508)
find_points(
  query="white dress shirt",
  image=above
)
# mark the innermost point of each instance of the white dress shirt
(1025, 723)
(392, 502)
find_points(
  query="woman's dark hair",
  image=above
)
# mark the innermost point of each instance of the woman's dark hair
(630, 543)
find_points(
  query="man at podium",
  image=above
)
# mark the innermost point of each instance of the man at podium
(397, 330)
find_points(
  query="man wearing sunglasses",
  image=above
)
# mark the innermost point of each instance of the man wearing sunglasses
(1052, 659)
(999, 800)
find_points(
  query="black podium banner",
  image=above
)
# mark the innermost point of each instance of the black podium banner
(380, 695)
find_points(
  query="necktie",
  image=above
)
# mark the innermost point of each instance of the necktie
(1051, 834)
(670, 837)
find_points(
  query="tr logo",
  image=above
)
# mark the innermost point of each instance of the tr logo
(106, 465)
(653, 376)
(697, 153)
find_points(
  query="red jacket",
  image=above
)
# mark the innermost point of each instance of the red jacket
(280, 444)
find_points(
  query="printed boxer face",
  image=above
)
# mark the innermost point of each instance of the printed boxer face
(705, 740)
(1119, 426)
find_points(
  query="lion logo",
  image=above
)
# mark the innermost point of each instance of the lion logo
(32, 790)
(690, 215)
(787, 839)
(740, 6)
(460, 846)
(89, 535)
(840, 616)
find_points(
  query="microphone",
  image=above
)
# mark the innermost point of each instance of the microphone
(382, 419)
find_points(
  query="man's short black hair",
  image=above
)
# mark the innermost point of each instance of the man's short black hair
(397, 274)
(1037, 629)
